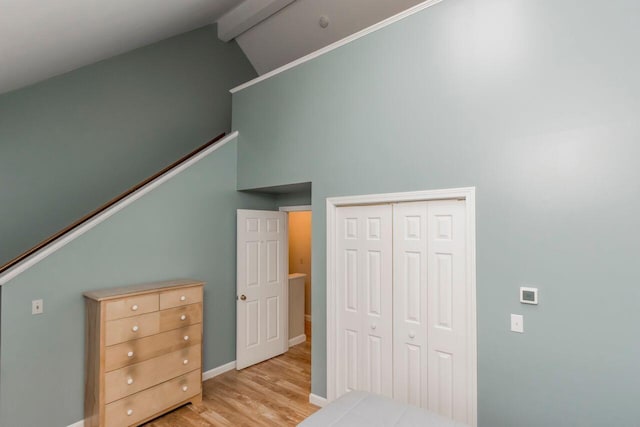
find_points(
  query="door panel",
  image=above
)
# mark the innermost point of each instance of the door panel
(262, 261)
(430, 307)
(410, 303)
(364, 303)
(448, 310)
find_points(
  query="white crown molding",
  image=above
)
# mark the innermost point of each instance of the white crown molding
(38, 256)
(355, 36)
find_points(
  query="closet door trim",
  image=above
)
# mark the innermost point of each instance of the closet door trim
(468, 195)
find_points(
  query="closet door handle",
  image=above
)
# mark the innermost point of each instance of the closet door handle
(243, 297)
(373, 326)
(412, 335)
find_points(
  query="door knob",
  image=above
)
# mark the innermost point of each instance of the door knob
(243, 297)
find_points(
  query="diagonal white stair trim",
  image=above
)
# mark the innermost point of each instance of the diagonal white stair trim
(29, 262)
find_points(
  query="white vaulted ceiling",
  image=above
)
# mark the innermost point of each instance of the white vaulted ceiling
(40, 39)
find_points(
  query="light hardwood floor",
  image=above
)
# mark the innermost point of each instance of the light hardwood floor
(271, 393)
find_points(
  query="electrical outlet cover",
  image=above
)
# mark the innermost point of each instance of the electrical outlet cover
(37, 306)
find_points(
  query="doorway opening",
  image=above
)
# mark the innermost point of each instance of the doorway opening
(300, 218)
(274, 275)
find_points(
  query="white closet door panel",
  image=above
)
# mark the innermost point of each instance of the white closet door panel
(349, 307)
(377, 286)
(364, 300)
(448, 310)
(410, 303)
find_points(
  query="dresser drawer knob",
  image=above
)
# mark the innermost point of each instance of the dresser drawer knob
(129, 412)
(130, 381)
(185, 361)
(183, 317)
(186, 337)
(134, 307)
(183, 298)
(135, 328)
(185, 388)
(130, 354)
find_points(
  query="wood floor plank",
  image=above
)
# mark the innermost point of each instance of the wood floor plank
(271, 393)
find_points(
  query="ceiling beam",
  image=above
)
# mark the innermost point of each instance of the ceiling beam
(246, 15)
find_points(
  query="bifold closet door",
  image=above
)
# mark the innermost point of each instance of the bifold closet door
(364, 299)
(431, 307)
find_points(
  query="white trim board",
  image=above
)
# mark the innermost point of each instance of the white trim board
(355, 36)
(32, 260)
(207, 375)
(211, 373)
(314, 399)
(297, 340)
(302, 208)
(469, 195)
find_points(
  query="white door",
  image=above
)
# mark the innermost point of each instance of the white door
(449, 308)
(431, 305)
(364, 300)
(262, 272)
(410, 330)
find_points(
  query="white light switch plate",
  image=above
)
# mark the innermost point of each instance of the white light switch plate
(517, 323)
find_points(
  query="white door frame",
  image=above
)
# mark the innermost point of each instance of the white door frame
(333, 203)
(301, 208)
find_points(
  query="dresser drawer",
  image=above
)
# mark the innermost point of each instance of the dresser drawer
(131, 328)
(140, 376)
(132, 306)
(130, 352)
(180, 316)
(140, 406)
(179, 297)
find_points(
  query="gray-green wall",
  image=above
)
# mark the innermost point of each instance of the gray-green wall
(69, 144)
(184, 228)
(298, 198)
(536, 104)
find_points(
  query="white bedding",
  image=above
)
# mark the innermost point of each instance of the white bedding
(360, 409)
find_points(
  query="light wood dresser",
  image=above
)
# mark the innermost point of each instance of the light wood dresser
(143, 352)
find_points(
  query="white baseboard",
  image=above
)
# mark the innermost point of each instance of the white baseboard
(219, 370)
(78, 424)
(314, 399)
(297, 340)
(307, 317)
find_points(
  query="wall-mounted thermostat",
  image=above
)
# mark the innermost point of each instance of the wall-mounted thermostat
(529, 295)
